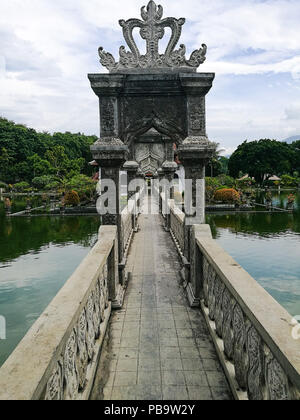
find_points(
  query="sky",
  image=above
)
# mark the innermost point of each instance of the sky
(47, 48)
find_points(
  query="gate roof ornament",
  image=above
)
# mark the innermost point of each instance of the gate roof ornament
(152, 30)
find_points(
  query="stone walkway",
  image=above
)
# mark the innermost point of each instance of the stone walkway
(157, 347)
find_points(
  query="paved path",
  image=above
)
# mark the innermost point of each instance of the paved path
(157, 347)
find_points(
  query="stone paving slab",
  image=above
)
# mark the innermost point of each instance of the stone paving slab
(158, 348)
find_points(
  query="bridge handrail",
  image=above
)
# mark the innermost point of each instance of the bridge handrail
(253, 332)
(57, 358)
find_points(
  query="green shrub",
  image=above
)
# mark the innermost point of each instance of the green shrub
(289, 181)
(71, 198)
(21, 186)
(54, 185)
(84, 186)
(41, 182)
(226, 180)
(245, 183)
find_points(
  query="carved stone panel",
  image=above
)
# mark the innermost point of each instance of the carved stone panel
(149, 156)
(256, 371)
(70, 371)
(90, 326)
(55, 390)
(276, 379)
(141, 113)
(109, 117)
(227, 307)
(82, 357)
(196, 116)
(219, 290)
(240, 341)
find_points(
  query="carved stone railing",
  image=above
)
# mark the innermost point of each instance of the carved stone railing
(253, 334)
(58, 357)
(129, 218)
(177, 218)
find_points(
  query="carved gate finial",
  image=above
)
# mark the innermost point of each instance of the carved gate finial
(152, 30)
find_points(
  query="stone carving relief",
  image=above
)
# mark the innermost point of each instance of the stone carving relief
(107, 113)
(152, 30)
(240, 340)
(227, 306)
(90, 327)
(197, 122)
(149, 156)
(82, 358)
(256, 368)
(68, 378)
(219, 290)
(277, 381)
(54, 390)
(70, 371)
(255, 373)
(139, 114)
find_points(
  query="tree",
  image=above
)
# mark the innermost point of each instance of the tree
(215, 164)
(26, 154)
(39, 166)
(261, 159)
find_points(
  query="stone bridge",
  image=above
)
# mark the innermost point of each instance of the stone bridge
(157, 310)
(154, 345)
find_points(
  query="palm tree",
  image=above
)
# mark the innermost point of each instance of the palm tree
(215, 157)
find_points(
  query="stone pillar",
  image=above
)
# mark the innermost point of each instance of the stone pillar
(194, 153)
(169, 168)
(111, 154)
(131, 168)
(160, 173)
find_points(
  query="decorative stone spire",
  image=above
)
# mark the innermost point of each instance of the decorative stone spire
(152, 30)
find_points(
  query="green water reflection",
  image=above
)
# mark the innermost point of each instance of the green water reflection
(37, 255)
(267, 245)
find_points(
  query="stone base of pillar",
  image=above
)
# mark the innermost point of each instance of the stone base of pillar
(193, 301)
(117, 303)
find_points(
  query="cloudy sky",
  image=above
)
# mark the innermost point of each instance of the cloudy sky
(47, 47)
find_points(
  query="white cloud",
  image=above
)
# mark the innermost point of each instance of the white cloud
(47, 47)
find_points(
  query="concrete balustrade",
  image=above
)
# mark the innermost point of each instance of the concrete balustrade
(58, 357)
(251, 331)
(177, 218)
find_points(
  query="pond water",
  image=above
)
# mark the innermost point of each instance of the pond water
(37, 256)
(267, 245)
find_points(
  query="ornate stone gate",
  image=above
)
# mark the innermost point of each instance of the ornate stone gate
(150, 102)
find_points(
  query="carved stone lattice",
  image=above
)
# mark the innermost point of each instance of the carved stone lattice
(82, 357)
(90, 327)
(54, 389)
(102, 297)
(96, 315)
(219, 290)
(70, 371)
(240, 339)
(206, 268)
(276, 379)
(152, 30)
(211, 277)
(255, 372)
(227, 306)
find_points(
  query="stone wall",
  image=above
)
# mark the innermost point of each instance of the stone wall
(57, 359)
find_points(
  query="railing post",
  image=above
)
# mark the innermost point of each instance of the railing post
(131, 167)
(110, 154)
(195, 287)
